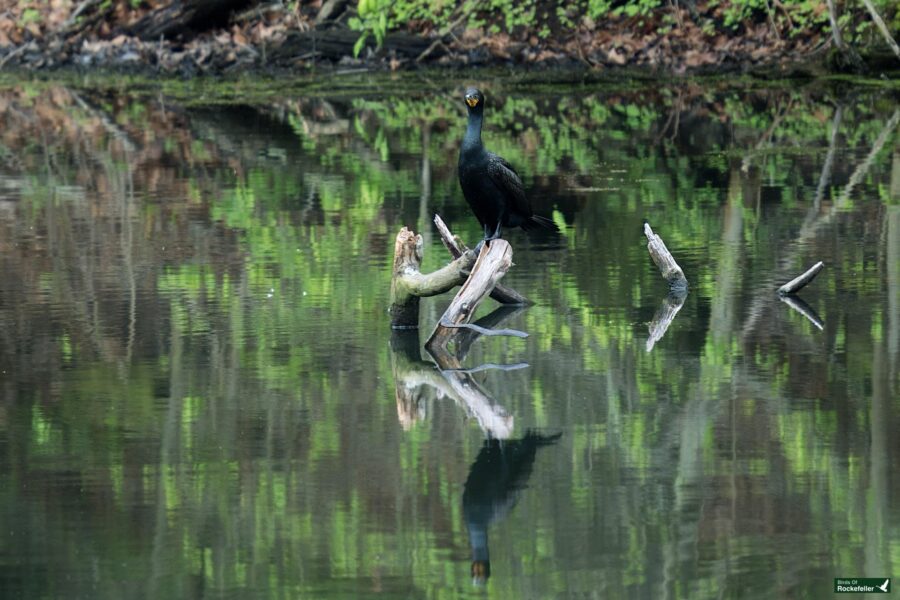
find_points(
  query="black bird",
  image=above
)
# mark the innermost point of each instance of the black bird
(491, 186)
(498, 475)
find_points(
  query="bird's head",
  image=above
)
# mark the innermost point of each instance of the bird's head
(481, 570)
(474, 98)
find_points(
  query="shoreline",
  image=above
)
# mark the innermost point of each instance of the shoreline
(220, 54)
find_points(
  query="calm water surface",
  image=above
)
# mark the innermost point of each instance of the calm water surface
(200, 395)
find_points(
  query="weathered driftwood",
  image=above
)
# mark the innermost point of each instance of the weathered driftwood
(797, 283)
(804, 309)
(408, 283)
(664, 316)
(415, 380)
(663, 259)
(493, 419)
(493, 262)
(500, 293)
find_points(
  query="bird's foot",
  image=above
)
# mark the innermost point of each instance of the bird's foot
(479, 247)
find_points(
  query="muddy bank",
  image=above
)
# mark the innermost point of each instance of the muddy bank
(183, 38)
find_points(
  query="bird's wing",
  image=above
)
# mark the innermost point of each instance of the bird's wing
(505, 177)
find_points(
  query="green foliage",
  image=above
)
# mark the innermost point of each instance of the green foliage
(372, 20)
(31, 15)
(548, 17)
(598, 8)
(637, 7)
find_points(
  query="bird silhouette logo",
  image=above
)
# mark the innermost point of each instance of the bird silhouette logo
(884, 586)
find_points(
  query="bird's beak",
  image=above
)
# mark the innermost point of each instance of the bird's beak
(472, 101)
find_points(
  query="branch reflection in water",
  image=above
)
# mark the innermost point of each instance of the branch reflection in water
(798, 304)
(417, 381)
(664, 316)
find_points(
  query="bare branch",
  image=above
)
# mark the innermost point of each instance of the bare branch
(456, 247)
(879, 22)
(799, 282)
(492, 264)
(664, 260)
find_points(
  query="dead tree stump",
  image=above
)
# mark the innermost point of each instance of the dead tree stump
(408, 283)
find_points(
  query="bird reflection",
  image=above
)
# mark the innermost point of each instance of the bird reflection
(495, 480)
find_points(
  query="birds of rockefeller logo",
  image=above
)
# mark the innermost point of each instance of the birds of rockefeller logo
(862, 585)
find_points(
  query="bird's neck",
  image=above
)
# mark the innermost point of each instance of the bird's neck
(478, 541)
(472, 140)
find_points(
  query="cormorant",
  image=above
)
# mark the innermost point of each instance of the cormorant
(498, 474)
(491, 185)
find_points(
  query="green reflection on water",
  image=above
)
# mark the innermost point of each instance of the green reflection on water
(200, 396)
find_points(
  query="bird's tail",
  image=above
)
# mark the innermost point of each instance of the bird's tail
(539, 221)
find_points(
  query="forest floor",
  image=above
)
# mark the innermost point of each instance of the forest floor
(194, 37)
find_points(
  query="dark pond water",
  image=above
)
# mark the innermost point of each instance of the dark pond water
(200, 395)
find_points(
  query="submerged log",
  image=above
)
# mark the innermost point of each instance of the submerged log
(796, 284)
(812, 227)
(492, 264)
(663, 259)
